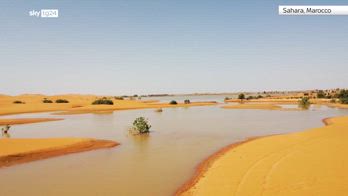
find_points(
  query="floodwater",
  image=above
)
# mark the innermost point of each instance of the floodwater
(143, 165)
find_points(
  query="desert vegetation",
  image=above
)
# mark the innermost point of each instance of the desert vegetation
(304, 103)
(343, 96)
(19, 102)
(62, 101)
(187, 101)
(103, 101)
(173, 102)
(140, 126)
(45, 100)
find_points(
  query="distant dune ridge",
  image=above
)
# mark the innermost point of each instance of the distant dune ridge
(77, 104)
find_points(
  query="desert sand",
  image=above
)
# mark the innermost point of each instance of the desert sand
(312, 162)
(16, 151)
(78, 104)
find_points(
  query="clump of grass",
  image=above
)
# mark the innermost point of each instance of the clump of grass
(62, 101)
(140, 126)
(173, 102)
(103, 101)
(304, 103)
(45, 100)
(19, 102)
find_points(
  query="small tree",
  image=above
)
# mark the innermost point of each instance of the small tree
(62, 101)
(173, 102)
(187, 101)
(140, 126)
(241, 96)
(304, 103)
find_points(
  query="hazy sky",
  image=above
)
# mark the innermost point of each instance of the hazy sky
(173, 46)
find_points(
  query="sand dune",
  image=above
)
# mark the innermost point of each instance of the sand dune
(16, 151)
(312, 162)
(78, 104)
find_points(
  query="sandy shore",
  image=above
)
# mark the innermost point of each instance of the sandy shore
(19, 121)
(260, 106)
(312, 162)
(78, 104)
(17, 151)
(265, 100)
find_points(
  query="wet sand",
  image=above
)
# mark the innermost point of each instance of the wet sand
(302, 163)
(19, 121)
(17, 151)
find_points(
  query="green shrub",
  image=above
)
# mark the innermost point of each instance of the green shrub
(304, 103)
(173, 102)
(45, 100)
(227, 98)
(62, 101)
(140, 126)
(103, 101)
(187, 101)
(259, 97)
(19, 102)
